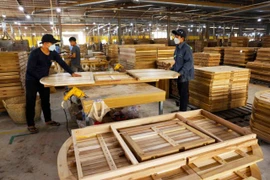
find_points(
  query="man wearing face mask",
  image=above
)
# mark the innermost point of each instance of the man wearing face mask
(184, 65)
(38, 66)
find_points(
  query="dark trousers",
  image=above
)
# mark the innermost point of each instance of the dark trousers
(183, 88)
(32, 87)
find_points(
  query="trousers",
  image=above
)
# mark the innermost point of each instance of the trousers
(32, 87)
(183, 89)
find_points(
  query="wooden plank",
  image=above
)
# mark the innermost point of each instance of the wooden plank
(106, 152)
(144, 74)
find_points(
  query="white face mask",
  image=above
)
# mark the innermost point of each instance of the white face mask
(52, 47)
(176, 41)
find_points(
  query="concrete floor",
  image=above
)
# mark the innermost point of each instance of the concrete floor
(34, 157)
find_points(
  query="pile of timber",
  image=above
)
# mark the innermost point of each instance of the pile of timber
(219, 50)
(139, 56)
(12, 75)
(239, 56)
(199, 45)
(206, 59)
(112, 52)
(219, 88)
(83, 50)
(266, 41)
(259, 121)
(165, 53)
(260, 68)
(240, 41)
(191, 145)
(66, 48)
(161, 41)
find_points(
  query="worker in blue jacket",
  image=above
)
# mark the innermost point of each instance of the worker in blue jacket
(184, 65)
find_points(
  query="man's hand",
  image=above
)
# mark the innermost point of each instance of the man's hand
(76, 75)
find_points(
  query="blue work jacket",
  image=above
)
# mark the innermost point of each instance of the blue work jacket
(184, 63)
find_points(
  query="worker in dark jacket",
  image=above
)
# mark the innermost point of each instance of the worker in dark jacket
(38, 66)
(184, 65)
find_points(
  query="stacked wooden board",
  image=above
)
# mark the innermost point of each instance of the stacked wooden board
(139, 56)
(266, 41)
(241, 41)
(83, 50)
(239, 56)
(206, 59)
(219, 50)
(191, 145)
(259, 121)
(165, 53)
(260, 68)
(219, 88)
(112, 52)
(199, 45)
(10, 79)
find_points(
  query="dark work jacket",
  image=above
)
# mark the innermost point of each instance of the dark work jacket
(184, 63)
(39, 64)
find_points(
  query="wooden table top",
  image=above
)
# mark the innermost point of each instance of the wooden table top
(87, 79)
(122, 95)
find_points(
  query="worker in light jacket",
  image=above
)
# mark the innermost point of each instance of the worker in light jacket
(184, 65)
(38, 66)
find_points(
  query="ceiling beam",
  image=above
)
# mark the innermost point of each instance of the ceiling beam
(192, 3)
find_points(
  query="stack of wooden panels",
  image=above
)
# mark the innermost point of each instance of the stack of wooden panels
(165, 64)
(139, 56)
(219, 88)
(193, 145)
(112, 52)
(10, 80)
(241, 41)
(239, 82)
(238, 56)
(266, 41)
(260, 68)
(165, 53)
(206, 59)
(219, 50)
(199, 45)
(83, 50)
(259, 121)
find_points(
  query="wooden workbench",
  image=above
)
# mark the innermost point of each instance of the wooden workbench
(116, 96)
(89, 78)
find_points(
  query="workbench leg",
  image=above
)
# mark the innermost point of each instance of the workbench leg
(160, 107)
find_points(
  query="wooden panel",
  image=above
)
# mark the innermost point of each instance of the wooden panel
(112, 77)
(98, 154)
(206, 59)
(212, 165)
(171, 162)
(159, 139)
(144, 74)
(122, 95)
(65, 79)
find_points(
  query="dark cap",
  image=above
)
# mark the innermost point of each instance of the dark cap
(180, 32)
(48, 38)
